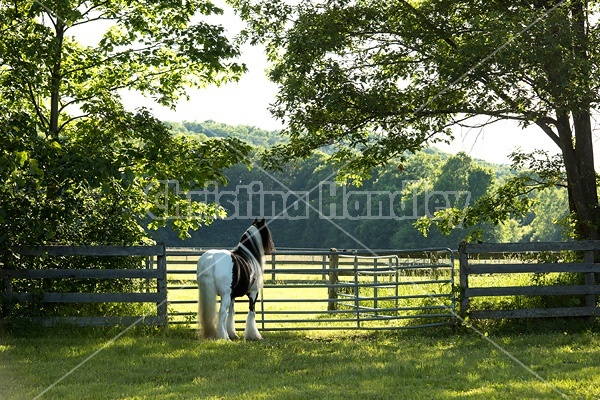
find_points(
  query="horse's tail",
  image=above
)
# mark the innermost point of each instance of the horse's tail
(207, 297)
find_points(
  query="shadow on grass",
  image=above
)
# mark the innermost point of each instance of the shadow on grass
(172, 364)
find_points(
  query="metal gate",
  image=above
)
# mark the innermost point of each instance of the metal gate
(334, 290)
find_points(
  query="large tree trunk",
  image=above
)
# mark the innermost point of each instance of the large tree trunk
(582, 170)
(573, 122)
(578, 156)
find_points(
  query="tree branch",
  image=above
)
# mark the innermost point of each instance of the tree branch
(36, 106)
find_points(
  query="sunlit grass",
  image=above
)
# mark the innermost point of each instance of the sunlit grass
(173, 364)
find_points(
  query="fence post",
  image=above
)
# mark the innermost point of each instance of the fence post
(464, 278)
(6, 297)
(375, 291)
(356, 292)
(333, 280)
(273, 267)
(397, 267)
(590, 280)
(161, 307)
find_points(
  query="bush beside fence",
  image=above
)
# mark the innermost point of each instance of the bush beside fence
(475, 260)
(155, 278)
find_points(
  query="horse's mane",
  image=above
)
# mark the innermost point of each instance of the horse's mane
(250, 245)
(257, 240)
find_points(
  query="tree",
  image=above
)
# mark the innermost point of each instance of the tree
(550, 215)
(75, 165)
(376, 78)
(399, 194)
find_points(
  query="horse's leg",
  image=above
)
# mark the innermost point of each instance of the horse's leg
(231, 321)
(222, 325)
(207, 296)
(222, 274)
(251, 331)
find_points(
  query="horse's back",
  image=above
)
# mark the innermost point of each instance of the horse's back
(211, 259)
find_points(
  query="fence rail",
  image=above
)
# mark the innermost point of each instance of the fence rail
(322, 289)
(470, 265)
(154, 294)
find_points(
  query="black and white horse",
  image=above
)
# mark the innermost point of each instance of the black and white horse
(231, 274)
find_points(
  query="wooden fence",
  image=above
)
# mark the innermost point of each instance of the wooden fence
(157, 295)
(359, 296)
(470, 256)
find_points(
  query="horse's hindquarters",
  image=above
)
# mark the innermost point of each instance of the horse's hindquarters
(215, 269)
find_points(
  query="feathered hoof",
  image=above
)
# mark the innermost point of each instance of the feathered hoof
(206, 335)
(223, 337)
(253, 337)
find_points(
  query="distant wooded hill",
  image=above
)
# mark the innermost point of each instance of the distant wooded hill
(254, 136)
(310, 210)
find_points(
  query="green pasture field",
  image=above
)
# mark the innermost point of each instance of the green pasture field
(506, 360)
(511, 360)
(173, 364)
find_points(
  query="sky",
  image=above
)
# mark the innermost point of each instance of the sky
(246, 103)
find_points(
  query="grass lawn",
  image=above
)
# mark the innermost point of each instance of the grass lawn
(425, 364)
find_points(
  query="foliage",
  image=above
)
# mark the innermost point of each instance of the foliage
(75, 165)
(398, 195)
(560, 279)
(12, 312)
(210, 129)
(375, 79)
(539, 176)
(546, 279)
